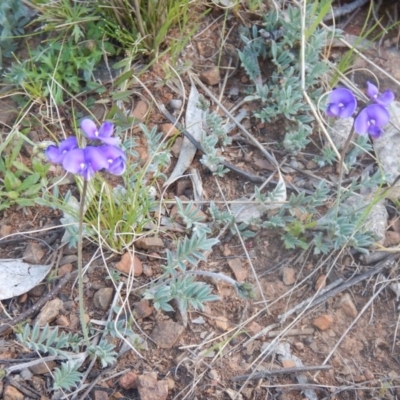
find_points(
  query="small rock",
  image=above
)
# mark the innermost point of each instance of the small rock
(69, 259)
(176, 104)
(169, 130)
(129, 381)
(26, 374)
(289, 276)
(147, 270)
(64, 269)
(140, 110)
(171, 384)
(149, 243)
(347, 305)
(369, 376)
(226, 251)
(33, 253)
(128, 262)
(323, 322)
(102, 298)
(49, 312)
(11, 393)
(288, 363)
(177, 147)
(299, 346)
(213, 374)
(5, 230)
(253, 328)
(222, 323)
(37, 291)
(320, 283)
(63, 320)
(143, 309)
(100, 395)
(392, 238)
(359, 378)
(151, 389)
(262, 164)
(43, 367)
(240, 273)
(166, 333)
(211, 76)
(311, 165)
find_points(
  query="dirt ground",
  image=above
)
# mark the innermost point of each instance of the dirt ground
(351, 339)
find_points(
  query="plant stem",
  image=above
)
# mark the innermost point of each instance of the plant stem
(80, 269)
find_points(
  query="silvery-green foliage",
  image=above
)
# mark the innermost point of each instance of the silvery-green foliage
(67, 376)
(105, 352)
(190, 217)
(280, 94)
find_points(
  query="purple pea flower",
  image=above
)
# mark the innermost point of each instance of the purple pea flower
(115, 157)
(103, 134)
(56, 154)
(371, 119)
(85, 162)
(384, 99)
(342, 103)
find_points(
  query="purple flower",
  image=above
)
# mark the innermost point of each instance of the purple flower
(371, 119)
(115, 157)
(56, 154)
(384, 99)
(342, 103)
(103, 134)
(85, 162)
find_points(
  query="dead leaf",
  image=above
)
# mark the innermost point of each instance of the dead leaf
(18, 277)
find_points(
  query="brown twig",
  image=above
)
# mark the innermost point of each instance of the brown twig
(38, 305)
(283, 371)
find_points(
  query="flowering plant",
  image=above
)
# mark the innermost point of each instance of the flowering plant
(90, 159)
(371, 119)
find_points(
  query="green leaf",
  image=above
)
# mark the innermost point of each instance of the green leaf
(28, 182)
(124, 77)
(33, 190)
(21, 166)
(11, 181)
(25, 202)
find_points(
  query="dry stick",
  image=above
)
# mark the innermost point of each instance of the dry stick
(245, 174)
(39, 304)
(345, 9)
(385, 264)
(283, 371)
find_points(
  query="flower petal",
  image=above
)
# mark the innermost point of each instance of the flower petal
(117, 167)
(342, 103)
(68, 144)
(95, 158)
(332, 110)
(106, 129)
(89, 128)
(74, 161)
(375, 131)
(361, 122)
(378, 114)
(54, 155)
(372, 90)
(385, 98)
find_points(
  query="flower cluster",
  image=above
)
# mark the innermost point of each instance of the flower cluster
(371, 119)
(87, 161)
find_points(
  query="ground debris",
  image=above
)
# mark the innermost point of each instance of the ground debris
(151, 389)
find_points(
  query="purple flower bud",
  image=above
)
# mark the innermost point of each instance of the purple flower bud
(371, 119)
(85, 162)
(56, 154)
(342, 103)
(384, 99)
(115, 157)
(103, 134)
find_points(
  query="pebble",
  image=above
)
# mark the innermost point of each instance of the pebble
(26, 374)
(63, 320)
(347, 305)
(102, 298)
(323, 322)
(140, 110)
(127, 262)
(222, 323)
(176, 104)
(177, 147)
(211, 76)
(69, 259)
(5, 230)
(253, 328)
(369, 376)
(392, 238)
(101, 395)
(320, 283)
(149, 243)
(49, 312)
(143, 309)
(289, 276)
(151, 389)
(213, 374)
(11, 393)
(166, 333)
(169, 130)
(128, 381)
(64, 269)
(235, 264)
(288, 363)
(43, 367)
(33, 253)
(299, 346)
(147, 270)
